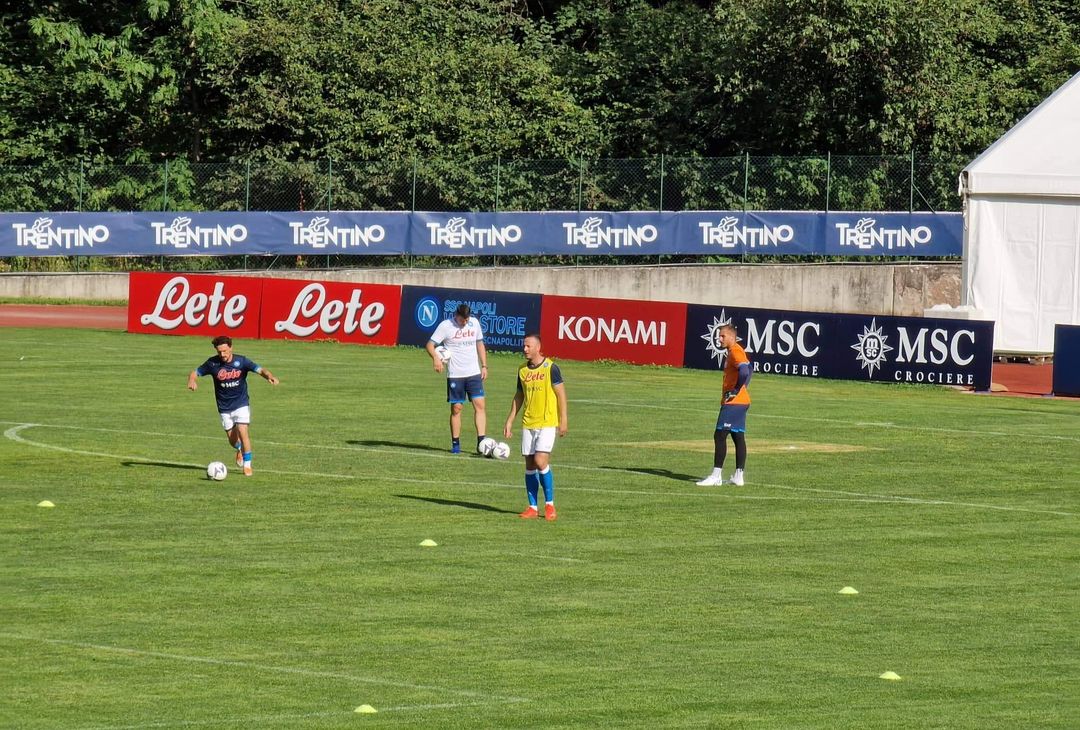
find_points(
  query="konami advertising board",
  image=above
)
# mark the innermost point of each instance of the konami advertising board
(365, 314)
(644, 333)
(192, 304)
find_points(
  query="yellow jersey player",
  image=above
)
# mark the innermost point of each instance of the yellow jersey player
(541, 398)
(733, 408)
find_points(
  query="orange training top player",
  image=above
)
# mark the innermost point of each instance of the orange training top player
(732, 418)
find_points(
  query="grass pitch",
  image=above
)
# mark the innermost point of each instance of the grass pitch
(150, 597)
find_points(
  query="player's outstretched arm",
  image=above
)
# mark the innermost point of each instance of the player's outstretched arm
(437, 363)
(515, 405)
(269, 376)
(193, 381)
(481, 354)
(560, 399)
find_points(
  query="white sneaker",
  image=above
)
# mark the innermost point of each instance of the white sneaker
(712, 480)
(736, 479)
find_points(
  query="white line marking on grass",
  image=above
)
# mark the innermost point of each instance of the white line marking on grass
(565, 560)
(13, 434)
(262, 719)
(919, 500)
(219, 721)
(842, 422)
(267, 668)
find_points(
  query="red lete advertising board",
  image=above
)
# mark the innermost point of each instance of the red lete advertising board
(365, 314)
(644, 333)
(193, 304)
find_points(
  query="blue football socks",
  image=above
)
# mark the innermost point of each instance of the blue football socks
(547, 479)
(532, 486)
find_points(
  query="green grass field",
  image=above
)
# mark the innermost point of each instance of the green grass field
(150, 597)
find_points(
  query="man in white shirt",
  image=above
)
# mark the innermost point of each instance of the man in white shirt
(461, 340)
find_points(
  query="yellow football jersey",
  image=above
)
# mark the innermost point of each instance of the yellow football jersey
(537, 384)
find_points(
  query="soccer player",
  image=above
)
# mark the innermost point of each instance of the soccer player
(541, 397)
(466, 372)
(231, 393)
(732, 418)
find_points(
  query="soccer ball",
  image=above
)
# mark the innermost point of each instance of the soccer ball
(501, 450)
(486, 446)
(443, 352)
(216, 470)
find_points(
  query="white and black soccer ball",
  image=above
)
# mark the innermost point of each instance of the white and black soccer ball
(217, 471)
(443, 353)
(501, 450)
(486, 446)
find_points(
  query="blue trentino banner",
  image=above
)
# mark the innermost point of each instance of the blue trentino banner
(504, 317)
(729, 233)
(846, 346)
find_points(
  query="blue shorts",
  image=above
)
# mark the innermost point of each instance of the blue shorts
(732, 417)
(457, 389)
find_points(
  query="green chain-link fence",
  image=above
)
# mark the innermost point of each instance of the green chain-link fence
(746, 182)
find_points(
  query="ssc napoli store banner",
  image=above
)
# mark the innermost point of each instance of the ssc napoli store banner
(637, 233)
(505, 317)
(847, 346)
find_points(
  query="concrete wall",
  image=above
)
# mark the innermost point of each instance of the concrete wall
(896, 289)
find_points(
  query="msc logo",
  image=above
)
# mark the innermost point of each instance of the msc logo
(712, 337)
(427, 312)
(872, 347)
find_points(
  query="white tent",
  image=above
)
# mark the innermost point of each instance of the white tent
(1022, 227)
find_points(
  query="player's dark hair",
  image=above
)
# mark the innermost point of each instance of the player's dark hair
(221, 340)
(535, 336)
(728, 326)
(463, 310)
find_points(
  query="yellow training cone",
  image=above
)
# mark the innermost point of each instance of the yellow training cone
(848, 591)
(429, 543)
(45, 503)
(890, 675)
(365, 709)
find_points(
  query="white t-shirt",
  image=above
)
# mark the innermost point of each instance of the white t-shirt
(461, 342)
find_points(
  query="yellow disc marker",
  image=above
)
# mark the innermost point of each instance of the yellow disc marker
(429, 543)
(890, 675)
(45, 503)
(365, 710)
(848, 591)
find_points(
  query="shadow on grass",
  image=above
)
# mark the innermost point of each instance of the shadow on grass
(458, 503)
(664, 473)
(395, 444)
(163, 465)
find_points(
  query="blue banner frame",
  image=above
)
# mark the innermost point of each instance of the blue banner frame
(371, 233)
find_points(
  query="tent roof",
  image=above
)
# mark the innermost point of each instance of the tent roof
(1040, 155)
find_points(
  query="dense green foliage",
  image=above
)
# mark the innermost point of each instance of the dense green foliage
(149, 597)
(456, 80)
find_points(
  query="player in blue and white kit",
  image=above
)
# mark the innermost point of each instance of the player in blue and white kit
(463, 338)
(229, 371)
